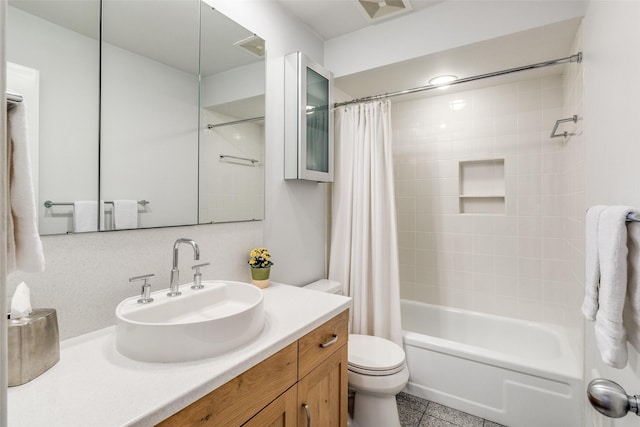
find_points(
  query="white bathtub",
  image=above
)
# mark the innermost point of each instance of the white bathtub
(516, 373)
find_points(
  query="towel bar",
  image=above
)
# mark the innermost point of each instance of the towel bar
(49, 203)
(246, 159)
(633, 217)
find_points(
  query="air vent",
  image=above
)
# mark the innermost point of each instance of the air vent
(253, 44)
(375, 9)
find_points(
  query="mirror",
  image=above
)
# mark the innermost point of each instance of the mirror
(133, 127)
(53, 58)
(232, 121)
(149, 112)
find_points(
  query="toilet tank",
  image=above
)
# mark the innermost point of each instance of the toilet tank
(325, 285)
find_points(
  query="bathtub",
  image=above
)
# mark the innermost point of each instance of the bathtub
(516, 373)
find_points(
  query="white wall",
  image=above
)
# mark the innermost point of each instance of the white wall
(295, 226)
(612, 129)
(86, 275)
(443, 26)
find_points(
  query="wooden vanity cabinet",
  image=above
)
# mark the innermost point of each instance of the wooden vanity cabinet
(322, 394)
(307, 380)
(282, 412)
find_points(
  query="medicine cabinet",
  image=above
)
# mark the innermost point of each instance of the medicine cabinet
(156, 101)
(308, 120)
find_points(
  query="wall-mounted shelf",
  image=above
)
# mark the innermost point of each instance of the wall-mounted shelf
(481, 187)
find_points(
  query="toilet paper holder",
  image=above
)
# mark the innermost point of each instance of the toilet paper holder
(33, 345)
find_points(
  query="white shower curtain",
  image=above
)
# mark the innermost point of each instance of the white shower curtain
(364, 248)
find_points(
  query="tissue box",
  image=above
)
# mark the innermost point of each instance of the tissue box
(33, 346)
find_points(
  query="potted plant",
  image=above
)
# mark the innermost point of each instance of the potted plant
(260, 263)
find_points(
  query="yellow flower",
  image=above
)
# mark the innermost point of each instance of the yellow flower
(259, 258)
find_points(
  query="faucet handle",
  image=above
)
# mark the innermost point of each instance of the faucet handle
(145, 292)
(197, 276)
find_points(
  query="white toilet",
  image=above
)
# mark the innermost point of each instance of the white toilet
(377, 371)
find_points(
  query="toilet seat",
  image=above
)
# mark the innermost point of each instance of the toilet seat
(374, 356)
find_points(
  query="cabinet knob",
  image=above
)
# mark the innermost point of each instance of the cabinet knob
(610, 399)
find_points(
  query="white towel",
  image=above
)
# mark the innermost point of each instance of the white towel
(631, 316)
(24, 247)
(592, 263)
(125, 214)
(85, 216)
(612, 251)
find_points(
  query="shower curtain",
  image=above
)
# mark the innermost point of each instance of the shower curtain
(364, 248)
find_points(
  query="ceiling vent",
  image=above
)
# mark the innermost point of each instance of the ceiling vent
(253, 44)
(376, 10)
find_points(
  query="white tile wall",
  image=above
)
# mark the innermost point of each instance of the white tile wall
(525, 263)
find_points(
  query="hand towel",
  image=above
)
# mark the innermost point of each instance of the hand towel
(631, 316)
(125, 214)
(24, 247)
(612, 251)
(85, 216)
(592, 263)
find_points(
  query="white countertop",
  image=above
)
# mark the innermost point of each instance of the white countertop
(94, 385)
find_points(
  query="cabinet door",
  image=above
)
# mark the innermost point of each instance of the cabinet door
(308, 120)
(322, 394)
(280, 413)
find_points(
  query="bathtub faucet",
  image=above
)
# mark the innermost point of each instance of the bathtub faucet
(175, 273)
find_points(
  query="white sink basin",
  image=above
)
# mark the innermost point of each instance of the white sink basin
(195, 325)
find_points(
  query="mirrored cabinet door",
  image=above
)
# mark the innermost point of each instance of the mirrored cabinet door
(53, 55)
(308, 120)
(155, 121)
(231, 121)
(149, 114)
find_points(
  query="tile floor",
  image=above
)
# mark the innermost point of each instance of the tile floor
(417, 412)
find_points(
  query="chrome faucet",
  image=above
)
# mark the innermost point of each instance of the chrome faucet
(175, 273)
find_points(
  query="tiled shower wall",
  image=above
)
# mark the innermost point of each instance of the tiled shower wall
(522, 261)
(574, 175)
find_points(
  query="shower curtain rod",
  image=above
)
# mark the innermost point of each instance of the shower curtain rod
(236, 122)
(573, 58)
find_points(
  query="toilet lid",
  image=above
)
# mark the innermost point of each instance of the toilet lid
(374, 355)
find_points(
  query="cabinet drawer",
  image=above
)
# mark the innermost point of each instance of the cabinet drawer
(323, 341)
(235, 402)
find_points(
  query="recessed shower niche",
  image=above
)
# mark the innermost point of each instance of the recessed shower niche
(482, 186)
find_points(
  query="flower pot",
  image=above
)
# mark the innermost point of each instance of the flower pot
(260, 277)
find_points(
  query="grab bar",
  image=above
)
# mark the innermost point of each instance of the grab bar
(573, 119)
(49, 203)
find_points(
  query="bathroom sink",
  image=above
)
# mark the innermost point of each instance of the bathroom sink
(195, 325)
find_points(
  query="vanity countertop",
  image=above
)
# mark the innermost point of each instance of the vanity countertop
(94, 385)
